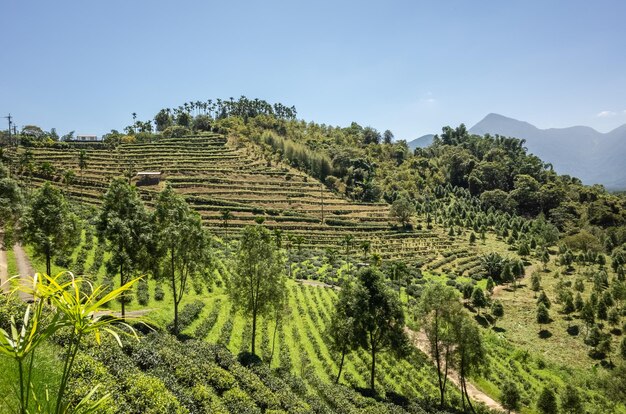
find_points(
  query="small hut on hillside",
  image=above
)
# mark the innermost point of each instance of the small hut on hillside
(149, 177)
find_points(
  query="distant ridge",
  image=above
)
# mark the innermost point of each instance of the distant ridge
(421, 142)
(580, 151)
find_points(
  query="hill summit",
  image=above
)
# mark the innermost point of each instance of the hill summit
(580, 151)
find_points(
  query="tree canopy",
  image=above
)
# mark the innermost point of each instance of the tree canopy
(257, 286)
(49, 225)
(181, 242)
(379, 326)
(123, 225)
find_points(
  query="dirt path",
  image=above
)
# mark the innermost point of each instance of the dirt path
(4, 272)
(129, 314)
(24, 268)
(26, 271)
(315, 283)
(420, 341)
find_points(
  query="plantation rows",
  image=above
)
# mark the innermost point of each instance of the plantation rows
(301, 348)
(215, 174)
(161, 375)
(532, 373)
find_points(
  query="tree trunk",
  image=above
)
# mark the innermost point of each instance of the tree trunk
(469, 401)
(438, 360)
(123, 294)
(372, 378)
(48, 270)
(445, 380)
(253, 329)
(175, 295)
(343, 356)
(463, 396)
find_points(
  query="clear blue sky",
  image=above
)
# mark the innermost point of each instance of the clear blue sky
(408, 66)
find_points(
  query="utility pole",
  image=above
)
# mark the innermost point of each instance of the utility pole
(9, 117)
(322, 198)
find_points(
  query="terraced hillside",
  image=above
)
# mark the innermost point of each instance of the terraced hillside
(216, 174)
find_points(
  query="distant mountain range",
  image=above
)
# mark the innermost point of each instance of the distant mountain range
(421, 142)
(583, 152)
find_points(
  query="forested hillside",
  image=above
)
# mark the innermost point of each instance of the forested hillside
(278, 257)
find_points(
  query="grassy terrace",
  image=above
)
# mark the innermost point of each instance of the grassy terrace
(217, 174)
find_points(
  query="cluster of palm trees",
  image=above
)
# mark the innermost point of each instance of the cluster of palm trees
(223, 108)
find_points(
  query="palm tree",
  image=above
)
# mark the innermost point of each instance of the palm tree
(68, 179)
(47, 170)
(82, 164)
(365, 246)
(278, 238)
(290, 241)
(226, 215)
(129, 172)
(493, 264)
(299, 241)
(347, 240)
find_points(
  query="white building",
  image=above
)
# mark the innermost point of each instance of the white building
(87, 138)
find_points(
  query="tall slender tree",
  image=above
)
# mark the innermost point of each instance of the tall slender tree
(68, 179)
(11, 206)
(49, 225)
(123, 226)
(341, 331)
(226, 216)
(82, 164)
(181, 241)
(469, 353)
(380, 318)
(258, 284)
(438, 310)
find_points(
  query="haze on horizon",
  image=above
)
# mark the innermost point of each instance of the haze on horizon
(411, 67)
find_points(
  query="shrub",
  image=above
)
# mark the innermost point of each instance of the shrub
(10, 306)
(97, 260)
(88, 373)
(220, 379)
(207, 324)
(190, 313)
(206, 398)
(198, 286)
(148, 395)
(159, 293)
(143, 294)
(79, 265)
(261, 395)
(176, 131)
(63, 260)
(238, 402)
